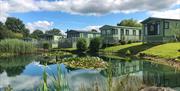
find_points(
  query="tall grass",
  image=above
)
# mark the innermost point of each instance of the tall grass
(16, 46)
(59, 82)
(121, 83)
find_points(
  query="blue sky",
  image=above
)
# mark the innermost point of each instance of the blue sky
(84, 14)
(66, 21)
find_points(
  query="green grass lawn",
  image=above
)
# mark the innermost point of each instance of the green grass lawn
(169, 50)
(119, 47)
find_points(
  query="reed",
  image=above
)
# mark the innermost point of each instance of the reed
(16, 46)
(121, 83)
(57, 83)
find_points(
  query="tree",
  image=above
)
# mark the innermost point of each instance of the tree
(36, 34)
(95, 44)
(93, 30)
(26, 32)
(4, 32)
(54, 31)
(17, 26)
(81, 45)
(46, 45)
(130, 23)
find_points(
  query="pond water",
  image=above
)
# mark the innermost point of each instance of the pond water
(24, 73)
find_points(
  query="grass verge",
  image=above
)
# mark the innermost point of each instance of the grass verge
(168, 50)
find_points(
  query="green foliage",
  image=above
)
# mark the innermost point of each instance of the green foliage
(95, 44)
(36, 34)
(46, 45)
(45, 87)
(130, 23)
(84, 62)
(16, 46)
(129, 42)
(81, 45)
(59, 82)
(17, 26)
(128, 52)
(93, 30)
(4, 32)
(8, 88)
(123, 42)
(17, 35)
(177, 35)
(54, 31)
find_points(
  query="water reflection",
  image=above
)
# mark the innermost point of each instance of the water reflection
(160, 75)
(25, 73)
(14, 65)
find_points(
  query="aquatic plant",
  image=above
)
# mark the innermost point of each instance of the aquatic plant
(84, 62)
(59, 82)
(56, 53)
(16, 46)
(8, 88)
(128, 52)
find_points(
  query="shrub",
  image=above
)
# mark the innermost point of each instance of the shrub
(81, 45)
(95, 44)
(123, 42)
(46, 45)
(129, 42)
(16, 46)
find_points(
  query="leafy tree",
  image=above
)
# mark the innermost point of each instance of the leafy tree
(130, 23)
(54, 31)
(36, 34)
(17, 26)
(26, 32)
(81, 45)
(4, 32)
(46, 45)
(95, 44)
(93, 30)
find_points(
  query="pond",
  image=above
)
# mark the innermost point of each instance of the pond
(24, 73)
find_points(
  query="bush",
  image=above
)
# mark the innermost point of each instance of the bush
(129, 42)
(16, 46)
(123, 42)
(46, 45)
(95, 44)
(81, 45)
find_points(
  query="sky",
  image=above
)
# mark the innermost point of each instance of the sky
(84, 14)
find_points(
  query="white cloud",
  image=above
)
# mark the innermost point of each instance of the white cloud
(99, 7)
(11, 6)
(43, 25)
(83, 7)
(178, 2)
(172, 14)
(140, 21)
(92, 27)
(4, 7)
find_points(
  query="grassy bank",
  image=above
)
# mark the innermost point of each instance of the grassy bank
(168, 50)
(119, 47)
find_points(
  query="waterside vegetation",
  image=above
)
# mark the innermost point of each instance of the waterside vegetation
(84, 62)
(16, 46)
